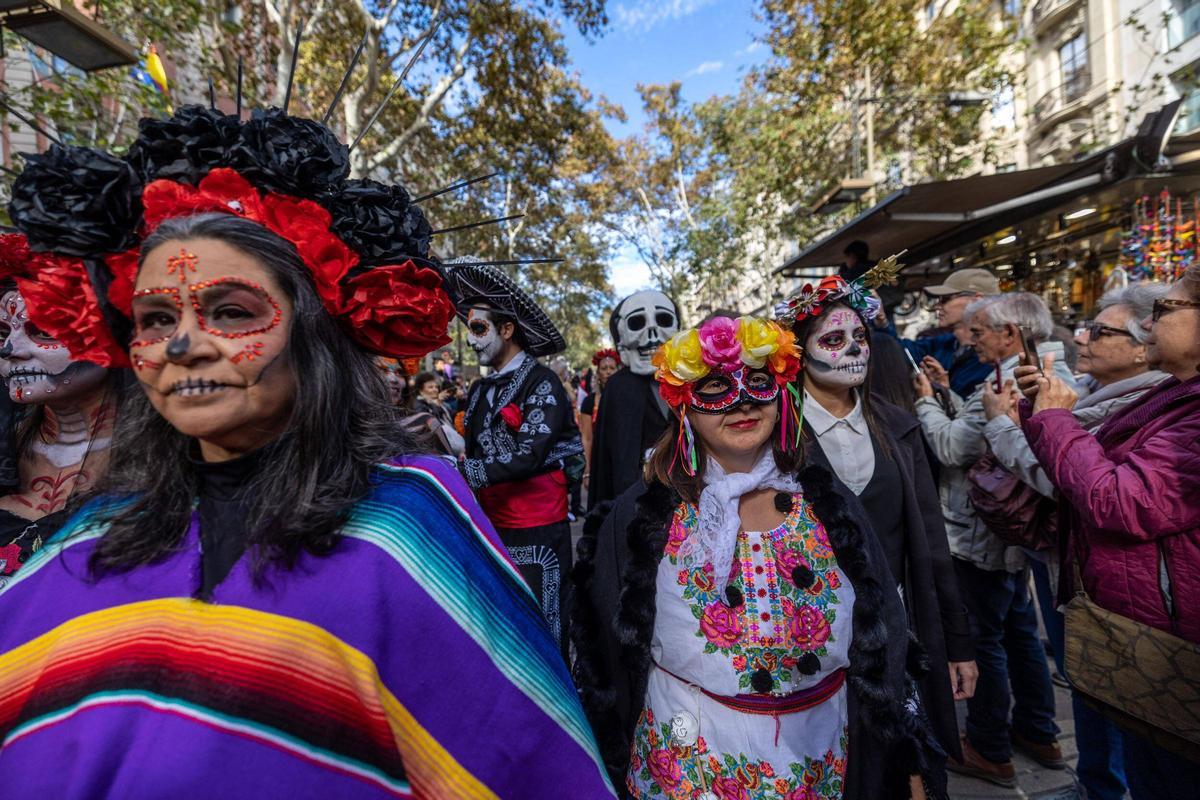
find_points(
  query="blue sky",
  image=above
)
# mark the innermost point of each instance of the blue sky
(705, 44)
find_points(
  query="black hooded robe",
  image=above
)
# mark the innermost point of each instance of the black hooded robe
(630, 420)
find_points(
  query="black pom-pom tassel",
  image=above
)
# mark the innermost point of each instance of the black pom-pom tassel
(783, 502)
(809, 664)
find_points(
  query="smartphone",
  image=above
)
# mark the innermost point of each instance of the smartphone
(916, 369)
(1031, 356)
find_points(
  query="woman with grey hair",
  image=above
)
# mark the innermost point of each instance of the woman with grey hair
(1112, 354)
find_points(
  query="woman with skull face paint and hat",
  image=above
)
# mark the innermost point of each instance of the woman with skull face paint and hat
(275, 596)
(876, 450)
(60, 409)
(737, 631)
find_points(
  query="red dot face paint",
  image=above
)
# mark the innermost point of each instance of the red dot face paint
(180, 264)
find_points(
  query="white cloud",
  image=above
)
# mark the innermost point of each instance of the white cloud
(706, 67)
(647, 14)
(750, 48)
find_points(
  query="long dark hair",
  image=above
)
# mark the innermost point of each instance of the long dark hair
(890, 373)
(341, 424)
(803, 328)
(663, 466)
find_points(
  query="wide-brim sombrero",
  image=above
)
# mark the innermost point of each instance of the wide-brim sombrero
(472, 285)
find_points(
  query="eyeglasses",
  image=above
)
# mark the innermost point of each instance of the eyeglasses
(1165, 306)
(1098, 329)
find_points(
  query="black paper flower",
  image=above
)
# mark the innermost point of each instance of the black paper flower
(185, 147)
(378, 222)
(77, 201)
(293, 156)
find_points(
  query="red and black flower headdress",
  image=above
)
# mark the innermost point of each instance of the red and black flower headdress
(365, 244)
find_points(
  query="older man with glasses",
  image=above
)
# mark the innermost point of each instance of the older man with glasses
(951, 350)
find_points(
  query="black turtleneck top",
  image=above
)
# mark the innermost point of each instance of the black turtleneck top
(223, 488)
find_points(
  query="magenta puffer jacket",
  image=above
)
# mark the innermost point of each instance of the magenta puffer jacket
(1133, 496)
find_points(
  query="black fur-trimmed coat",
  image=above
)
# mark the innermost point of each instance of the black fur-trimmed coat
(613, 622)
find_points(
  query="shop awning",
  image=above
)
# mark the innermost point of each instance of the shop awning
(915, 217)
(932, 219)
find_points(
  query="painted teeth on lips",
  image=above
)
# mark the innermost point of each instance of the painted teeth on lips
(24, 375)
(192, 387)
(851, 367)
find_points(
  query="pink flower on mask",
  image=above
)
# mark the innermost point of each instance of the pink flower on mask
(719, 344)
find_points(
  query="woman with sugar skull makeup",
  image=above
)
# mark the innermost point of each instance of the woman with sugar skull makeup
(275, 594)
(877, 451)
(736, 628)
(62, 408)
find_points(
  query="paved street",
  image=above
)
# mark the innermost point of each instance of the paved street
(1033, 780)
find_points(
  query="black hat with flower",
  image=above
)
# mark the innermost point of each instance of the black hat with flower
(366, 244)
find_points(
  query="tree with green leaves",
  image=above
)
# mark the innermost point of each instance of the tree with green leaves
(492, 91)
(753, 164)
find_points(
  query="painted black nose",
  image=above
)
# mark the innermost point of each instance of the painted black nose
(854, 349)
(178, 347)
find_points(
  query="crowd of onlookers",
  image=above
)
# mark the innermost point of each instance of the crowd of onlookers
(1068, 466)
(1069, 472)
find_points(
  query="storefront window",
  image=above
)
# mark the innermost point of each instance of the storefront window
(1183, 22)
(1189, 113)
(1073, 58)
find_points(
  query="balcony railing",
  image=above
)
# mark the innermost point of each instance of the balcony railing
(1053, 101)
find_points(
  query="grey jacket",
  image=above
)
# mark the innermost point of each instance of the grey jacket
(1007, 440)
(958, 443)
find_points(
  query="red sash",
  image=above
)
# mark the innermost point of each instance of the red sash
(541, 500)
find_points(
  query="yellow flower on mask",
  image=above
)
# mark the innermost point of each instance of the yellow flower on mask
(680, 360)
(759, 338)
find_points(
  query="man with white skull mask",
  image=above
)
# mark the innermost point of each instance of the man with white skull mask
(521, 435)
(876, 449)
(632, 415)
(63, 414)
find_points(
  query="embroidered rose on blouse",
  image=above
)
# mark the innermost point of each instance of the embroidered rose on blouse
(664, 769)
(730, 789)
(675, 537)
(802, 793)
(702, 579)
(809, 628)
(721, 625)
(788, 558)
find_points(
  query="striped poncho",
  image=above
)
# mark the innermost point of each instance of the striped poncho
(410, 662)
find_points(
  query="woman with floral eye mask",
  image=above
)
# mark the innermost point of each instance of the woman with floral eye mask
(877, 451)
(734, 615)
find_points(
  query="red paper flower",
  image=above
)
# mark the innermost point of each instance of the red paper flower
(14, 255)
(675, 396)
(123, 267)
(60, 300)
(512, 417)
(398, 310)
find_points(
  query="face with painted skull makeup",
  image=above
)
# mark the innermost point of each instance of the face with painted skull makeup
(210, 345)
(36, 367)
(837, 349)
(721, 392)
(484, 336)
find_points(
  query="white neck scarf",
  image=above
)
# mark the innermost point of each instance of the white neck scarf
(718, 518)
